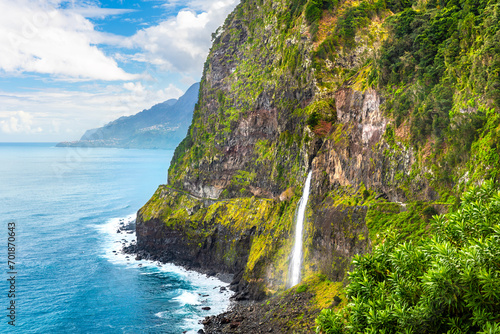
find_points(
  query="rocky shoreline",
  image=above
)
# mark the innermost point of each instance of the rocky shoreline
(236, 300)
(244, 315)
(287, 312)
(230, 279)
(132, 249)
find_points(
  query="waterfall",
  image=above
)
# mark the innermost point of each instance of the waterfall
(296, 262)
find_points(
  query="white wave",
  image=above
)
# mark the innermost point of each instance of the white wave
(163, 314)
(188, 298)
(114, 241)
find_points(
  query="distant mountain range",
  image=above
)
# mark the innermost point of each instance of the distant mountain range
(161, 127)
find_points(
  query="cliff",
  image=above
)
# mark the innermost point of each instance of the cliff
(293, 86)
(163, 126)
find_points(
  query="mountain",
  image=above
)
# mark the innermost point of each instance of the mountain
(162, 126)
(393, 106)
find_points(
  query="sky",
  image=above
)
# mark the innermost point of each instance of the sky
(69, 66)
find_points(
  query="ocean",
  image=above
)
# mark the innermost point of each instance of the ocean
(69, 275)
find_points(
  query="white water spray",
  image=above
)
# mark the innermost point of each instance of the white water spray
(296, 262)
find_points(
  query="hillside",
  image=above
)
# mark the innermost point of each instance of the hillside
(162, 126)
(393, 105)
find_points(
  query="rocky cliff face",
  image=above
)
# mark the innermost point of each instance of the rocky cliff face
(274, 104)
(291, 86)
(361, 154)
(236, 179)
(245, 136)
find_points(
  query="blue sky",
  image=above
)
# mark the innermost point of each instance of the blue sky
(68, 66)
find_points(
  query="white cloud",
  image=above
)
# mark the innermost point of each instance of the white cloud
(40, 37)
(134, 87)
(17, 122)
(181, 43)
(171, 3)
(171, 92)
(138, 92)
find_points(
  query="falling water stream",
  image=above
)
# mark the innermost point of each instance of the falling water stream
(296, 262)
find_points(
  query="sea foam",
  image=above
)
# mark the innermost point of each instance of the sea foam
(201, 290)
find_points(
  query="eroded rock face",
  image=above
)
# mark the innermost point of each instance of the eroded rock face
(236, 154)
(359, 154)
(214, 237)
(250, 140)
(335, 235)
(248, 96)
(168, 244)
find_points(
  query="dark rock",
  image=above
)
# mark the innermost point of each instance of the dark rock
(206, 308)
(269, 315)
(244, 295)
(234, 324)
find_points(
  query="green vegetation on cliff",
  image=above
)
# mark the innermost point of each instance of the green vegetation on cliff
(438, 70)
(449, 283)
(265, 222)
(436, 64)
(258, 72)
(440, 66)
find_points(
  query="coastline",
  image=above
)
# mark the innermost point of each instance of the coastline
(223, 322)
(209, 303)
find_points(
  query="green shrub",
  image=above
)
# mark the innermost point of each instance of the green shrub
(313, 11)
(313, 119)
(302, 288)
(429, 212)
(366, 194)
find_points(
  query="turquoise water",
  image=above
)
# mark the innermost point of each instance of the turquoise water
(67, 204)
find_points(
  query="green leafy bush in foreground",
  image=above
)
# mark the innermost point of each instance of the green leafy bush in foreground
(449, 283)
